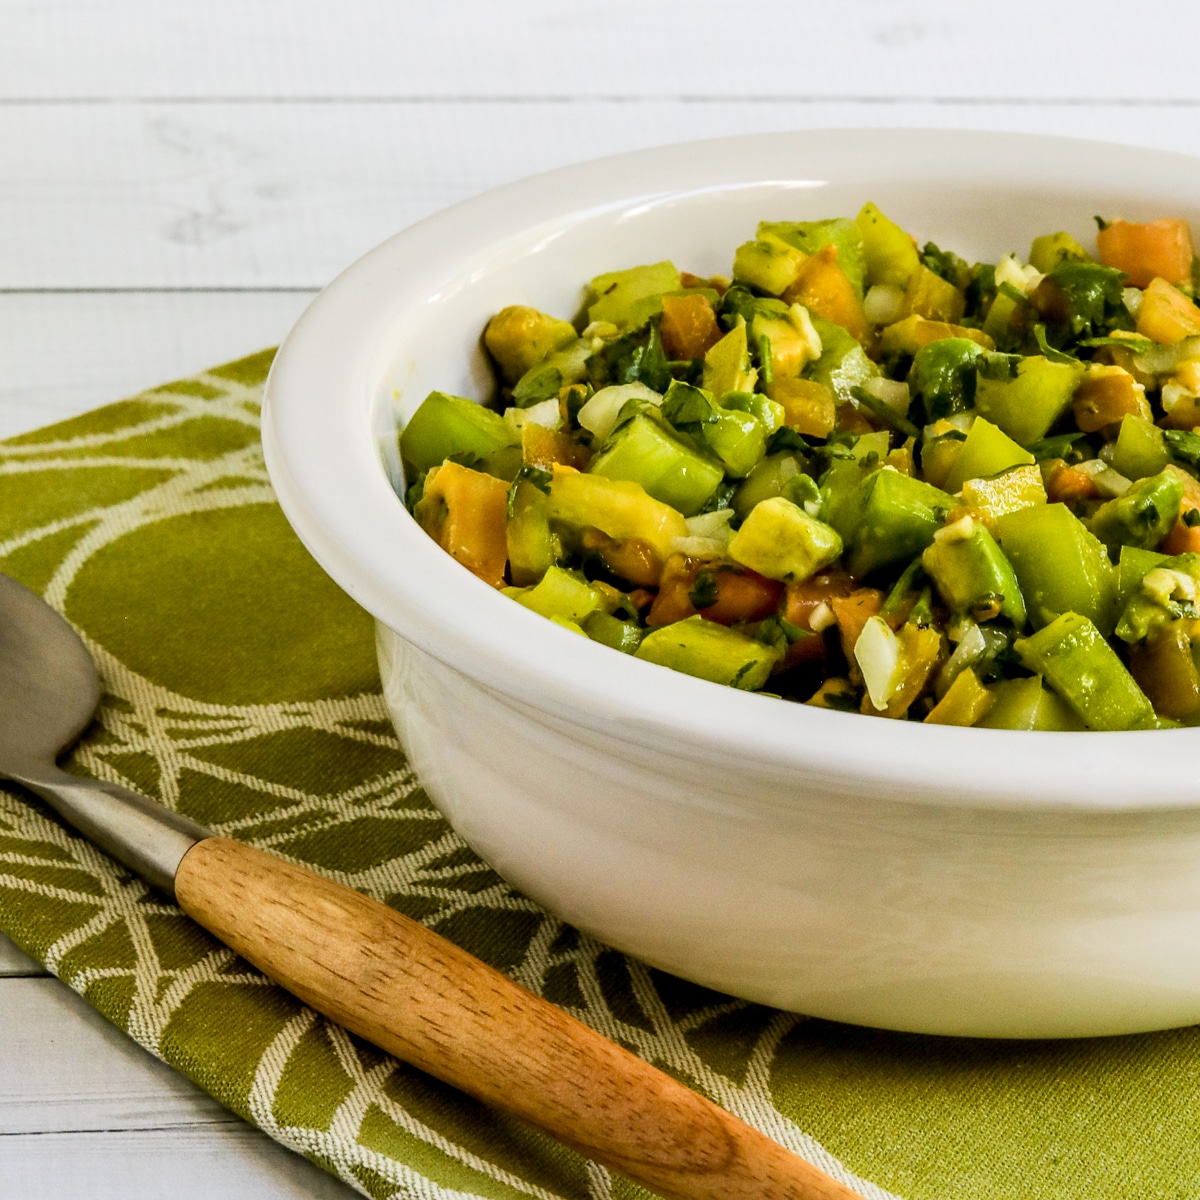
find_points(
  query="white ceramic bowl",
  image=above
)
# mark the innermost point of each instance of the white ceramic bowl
(945, 880)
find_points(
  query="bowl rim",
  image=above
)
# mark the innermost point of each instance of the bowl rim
(325, 463)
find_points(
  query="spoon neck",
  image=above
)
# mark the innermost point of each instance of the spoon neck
(149, 839)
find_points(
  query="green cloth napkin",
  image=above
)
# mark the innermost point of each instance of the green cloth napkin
(241, 688)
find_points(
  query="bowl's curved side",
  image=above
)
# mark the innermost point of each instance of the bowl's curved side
(847, 906)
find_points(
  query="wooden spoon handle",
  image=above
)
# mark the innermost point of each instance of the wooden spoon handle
(418, 996)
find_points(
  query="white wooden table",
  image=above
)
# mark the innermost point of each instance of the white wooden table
(176, 180)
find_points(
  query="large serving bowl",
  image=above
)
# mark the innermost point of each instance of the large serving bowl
(959, 881)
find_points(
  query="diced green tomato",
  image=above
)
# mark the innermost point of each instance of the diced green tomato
(896, 519)
(781, 541)
(560, 593)
(1133, 567)
(1026, 704)
(987, 451)
(843, 364)
(710, 651)
(999, 317)
(727, 364)
(767, 263)
(1052, 249)
(1141, 516)
(737, 439)
(1060, 566)
(965, 703)
(609, 631)
(767, 412)
(943, 376)
(531, 546)
(627, 298)
(842, 495)
(444, 425)
(810, 236)
(644, 452)
(872, 444)
(891, 255)
(618, 508)
(768, 479)
(503, 463)
(998, 495)
(1024, 396)
(1140, 448)
(971, 572)
(1073, 657)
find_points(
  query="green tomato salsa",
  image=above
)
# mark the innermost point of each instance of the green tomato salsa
(857, 473)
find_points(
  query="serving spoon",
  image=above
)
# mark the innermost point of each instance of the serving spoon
(380, 974)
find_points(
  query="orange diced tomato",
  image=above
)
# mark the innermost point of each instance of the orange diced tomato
(821, 285)
(1066, 485)
(808, 405)
(689, 326)
(742, 595)
(1160, 248)
(546, 448)
(464, 511)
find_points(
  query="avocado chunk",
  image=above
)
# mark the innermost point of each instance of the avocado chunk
(620, 509)
(767, 263)
(1059, 565)
(942, 376)
(1141, 516)
(892, 518)
(971, 573)
(629, 298)
(710, 651)
(1073, 657)
(1024, 396)
(446, 425)
(810, 236)
(781, 541)
(1052, 249)
(519, 337)
(648, 453)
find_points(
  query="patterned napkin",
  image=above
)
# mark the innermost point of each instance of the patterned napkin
(242, 689)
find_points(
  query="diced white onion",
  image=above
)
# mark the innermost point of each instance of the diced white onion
(599, 414)
(545, 413)
(1133, 300)
(892, 392)
(879, 656)
(699, 547)
(709, 524)
(883, 304)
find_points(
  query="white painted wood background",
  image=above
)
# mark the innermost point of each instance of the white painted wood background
(177, 179)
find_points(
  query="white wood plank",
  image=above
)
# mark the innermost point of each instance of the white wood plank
(236, 195)
(15, 963)
(914, 48)
(64, 353)
(86, 1112)
(90, 1076)
(230, 1162)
